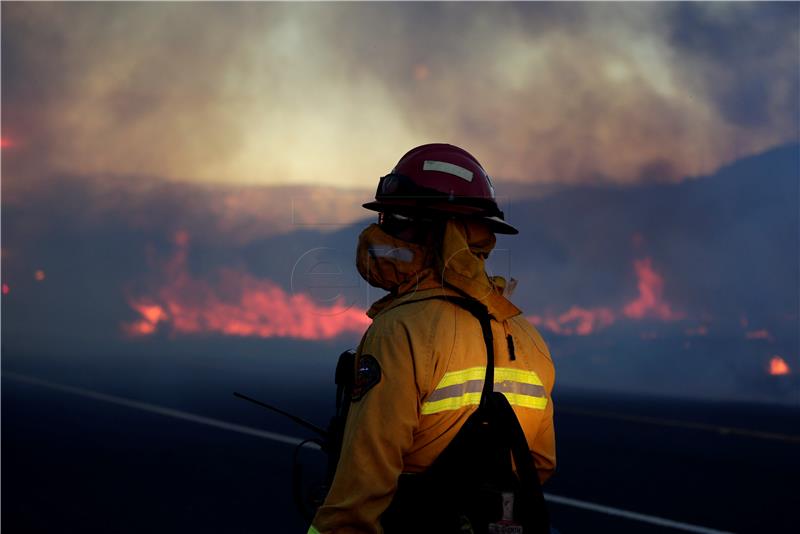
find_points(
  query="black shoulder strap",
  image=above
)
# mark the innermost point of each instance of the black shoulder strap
(482, 314)
(535, 513)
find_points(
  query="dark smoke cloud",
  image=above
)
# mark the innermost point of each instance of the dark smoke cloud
(334, 93)
(746, 59)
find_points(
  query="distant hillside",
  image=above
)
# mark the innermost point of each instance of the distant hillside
(725, 244)
(686, 289)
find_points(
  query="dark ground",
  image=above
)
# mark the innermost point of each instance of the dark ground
(76, 464)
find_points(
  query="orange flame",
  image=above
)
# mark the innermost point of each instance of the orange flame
(576, 321)
(778, 366)
(239, 304)
(582, 322)
(5, 142)
(151, 314)
(39, 275)
(649, 302)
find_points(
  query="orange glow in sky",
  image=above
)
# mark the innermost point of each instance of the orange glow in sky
(39, 275)
(638, 104)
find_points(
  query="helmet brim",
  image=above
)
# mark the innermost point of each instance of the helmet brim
(411, 208)
(499, 226)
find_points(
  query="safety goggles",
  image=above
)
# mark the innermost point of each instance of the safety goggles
(407, 228)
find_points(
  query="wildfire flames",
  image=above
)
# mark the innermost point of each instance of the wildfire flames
(152, 314)
(238, 304)
(778, 366)
(576, 321)
(649, 304)
(242, 305)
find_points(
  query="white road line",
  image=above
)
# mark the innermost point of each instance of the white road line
(725, 430)
(161, 410)
(632, 515)
(290, 440)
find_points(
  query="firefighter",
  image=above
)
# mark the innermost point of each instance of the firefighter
(420, 365)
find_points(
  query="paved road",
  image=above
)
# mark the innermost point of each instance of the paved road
(78, 457)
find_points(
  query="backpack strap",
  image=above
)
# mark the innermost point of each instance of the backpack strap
(536, 514)
(344, 387)
(482, 314)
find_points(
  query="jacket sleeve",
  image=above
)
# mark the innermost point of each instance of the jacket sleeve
(379, 430)
(543, 444)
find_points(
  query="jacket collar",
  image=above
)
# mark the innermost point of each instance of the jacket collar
(459, 271)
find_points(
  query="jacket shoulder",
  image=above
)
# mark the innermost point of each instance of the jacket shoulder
(415, 320)
(408, 311)
(533, 334)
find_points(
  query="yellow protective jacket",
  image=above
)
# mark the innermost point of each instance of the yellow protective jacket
(432, 358)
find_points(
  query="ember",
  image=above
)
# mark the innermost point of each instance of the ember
(778, 366)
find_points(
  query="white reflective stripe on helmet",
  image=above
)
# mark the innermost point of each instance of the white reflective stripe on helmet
(449, 168)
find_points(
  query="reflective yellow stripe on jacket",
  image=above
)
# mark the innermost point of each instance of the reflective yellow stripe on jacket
(463, 388)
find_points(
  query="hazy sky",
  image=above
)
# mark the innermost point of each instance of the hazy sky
(334, 93)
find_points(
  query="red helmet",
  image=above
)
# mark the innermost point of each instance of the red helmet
(440, 179)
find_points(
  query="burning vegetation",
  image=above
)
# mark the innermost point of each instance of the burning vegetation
(649, 304)
(240, 304)
(236, 304)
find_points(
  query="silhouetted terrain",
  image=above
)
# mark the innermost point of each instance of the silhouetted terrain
(685, 290)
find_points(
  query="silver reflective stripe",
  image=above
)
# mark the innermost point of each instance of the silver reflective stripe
(456, 390)
(462, 388)
(449, 168)
(531, 390)
(473, 386)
